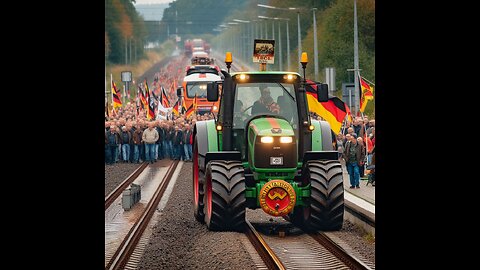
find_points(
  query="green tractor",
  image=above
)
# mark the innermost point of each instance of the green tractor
(263, 154)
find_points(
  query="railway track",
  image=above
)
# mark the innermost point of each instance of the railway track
(291, 248)
(123, 253)
(110, 198)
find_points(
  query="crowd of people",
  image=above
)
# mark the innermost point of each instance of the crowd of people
(356, 147)
(133, 140)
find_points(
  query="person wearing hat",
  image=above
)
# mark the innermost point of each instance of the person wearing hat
(265, 103)
(354, 155)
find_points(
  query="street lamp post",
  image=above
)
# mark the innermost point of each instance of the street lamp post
(280, 40)
(355, 52)
(315, 48)
(299, 35)
(288, 48)
(244, 36)
(299, 44)
(279, 49)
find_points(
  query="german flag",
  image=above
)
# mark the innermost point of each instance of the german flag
(184, 108)
(164, 98)
(333, 111)
(151, 103)
(366, 94)
(195, 103)
(192, 108)
(117, 102)
(175, 109)
(142, 98)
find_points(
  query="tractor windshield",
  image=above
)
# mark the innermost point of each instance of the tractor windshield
(253, 99)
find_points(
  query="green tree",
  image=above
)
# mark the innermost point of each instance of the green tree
(123, 24)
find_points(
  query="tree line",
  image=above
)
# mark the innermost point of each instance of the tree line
(125, 32)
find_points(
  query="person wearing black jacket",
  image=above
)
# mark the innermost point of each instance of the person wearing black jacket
(177, 143)
(187, 145)
(161, 139)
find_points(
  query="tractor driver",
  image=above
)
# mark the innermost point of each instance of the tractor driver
(265, 103)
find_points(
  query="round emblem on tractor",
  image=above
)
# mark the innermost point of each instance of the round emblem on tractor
(277, 198)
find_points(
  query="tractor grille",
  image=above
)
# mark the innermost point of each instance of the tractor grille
(265, 151)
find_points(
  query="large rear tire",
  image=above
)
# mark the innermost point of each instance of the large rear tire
(198, 186)
(326, 199)
(225, 196)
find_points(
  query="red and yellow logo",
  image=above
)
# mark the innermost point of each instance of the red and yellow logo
(277, 198)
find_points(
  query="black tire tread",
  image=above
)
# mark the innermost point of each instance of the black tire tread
(326, 201)
(228, 196)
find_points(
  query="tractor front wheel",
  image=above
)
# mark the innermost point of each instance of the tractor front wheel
(224, 196)
(326, 199)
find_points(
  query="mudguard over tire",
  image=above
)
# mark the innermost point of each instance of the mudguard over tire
(198, 186)
(224, 196)
(326, 200)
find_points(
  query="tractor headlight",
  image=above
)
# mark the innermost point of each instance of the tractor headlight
(286, 139)
(266, 139)
(243, 77)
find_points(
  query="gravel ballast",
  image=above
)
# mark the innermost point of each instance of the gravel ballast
(179, 241)
(116, 173)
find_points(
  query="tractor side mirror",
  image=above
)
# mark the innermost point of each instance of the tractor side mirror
(212, 91)
(322, 92)
(179, 91)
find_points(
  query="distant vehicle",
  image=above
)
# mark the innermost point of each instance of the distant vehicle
(196, 84)
(201, 58)
(203, 69)
(195, 45)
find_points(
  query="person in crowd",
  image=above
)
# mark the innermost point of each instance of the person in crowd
(339, 145)
(354, 156)
(126, 140)
(371, 126)
(350, 131)
(169, 137)
(187, 144)
(113, 140)
(161, 138)
(177, 143)
(137, 142)
(149, 137)
(358, 127)
(362, 167)
(369, 148)
(131, 129)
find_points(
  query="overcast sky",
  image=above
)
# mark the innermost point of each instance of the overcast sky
(153, 1)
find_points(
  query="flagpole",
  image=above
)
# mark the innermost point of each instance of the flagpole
(368, 81)
(137, 107)
(343, 124)
(355, 54)
(111, 90)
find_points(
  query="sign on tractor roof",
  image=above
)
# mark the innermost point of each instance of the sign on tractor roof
(264, 51)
